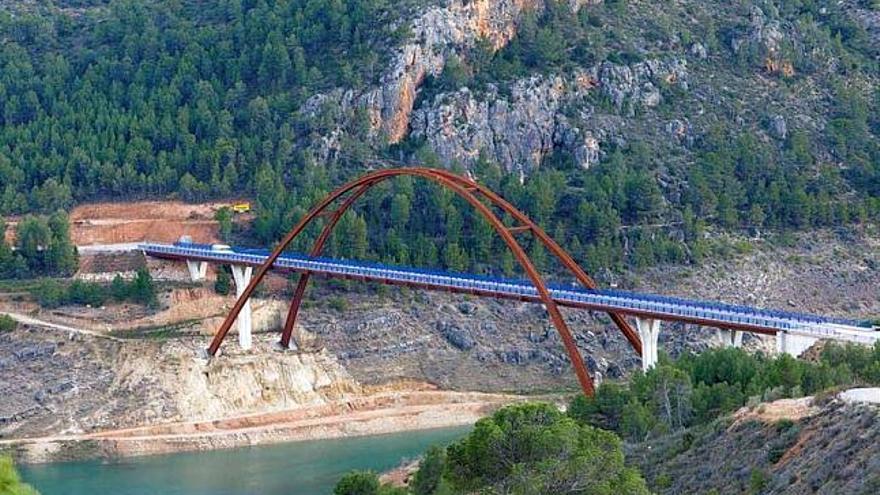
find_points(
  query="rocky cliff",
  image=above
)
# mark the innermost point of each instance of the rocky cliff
(78, 384)
(520, 129)
(660, 76)
(437, 33)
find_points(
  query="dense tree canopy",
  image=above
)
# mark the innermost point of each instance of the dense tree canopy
(698, 388)
(146, 97)
(202, 100)
(529, 449)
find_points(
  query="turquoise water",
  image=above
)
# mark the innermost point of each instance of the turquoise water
(305, 468)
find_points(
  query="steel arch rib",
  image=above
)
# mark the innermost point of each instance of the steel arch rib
(557, 250)
(465, 189)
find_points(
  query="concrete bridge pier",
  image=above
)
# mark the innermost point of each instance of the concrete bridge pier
(197, 270)
(242, 277)
(730, 338)
(792, 344)
(649, 333)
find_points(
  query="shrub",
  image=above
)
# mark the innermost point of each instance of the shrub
(758, 480)
(428, 477)
(358, 483)
(7, 324)
(338, 303)
(10, 482)
(50, 294)
(222, 284)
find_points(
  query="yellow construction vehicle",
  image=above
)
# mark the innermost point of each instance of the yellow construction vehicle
(241, 207)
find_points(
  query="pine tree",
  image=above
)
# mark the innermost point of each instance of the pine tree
(61, 256)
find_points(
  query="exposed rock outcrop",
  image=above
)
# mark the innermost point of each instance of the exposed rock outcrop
(517, 131)
(437, 33)
(520, 130)
(76, 384)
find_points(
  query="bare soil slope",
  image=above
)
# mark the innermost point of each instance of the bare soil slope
(161, 221)
(789, 447)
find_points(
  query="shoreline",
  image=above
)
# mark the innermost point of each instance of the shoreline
(376, 414)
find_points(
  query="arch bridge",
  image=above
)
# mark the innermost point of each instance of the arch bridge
(794, 332)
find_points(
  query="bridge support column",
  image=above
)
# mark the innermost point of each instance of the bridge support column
(242, 276)
(197, 270)
(792, 344)
(649, 333)
(730, 338)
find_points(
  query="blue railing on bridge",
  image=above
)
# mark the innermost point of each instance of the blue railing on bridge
(615, 299)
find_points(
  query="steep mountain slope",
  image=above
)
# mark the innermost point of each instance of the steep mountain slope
(749, 113)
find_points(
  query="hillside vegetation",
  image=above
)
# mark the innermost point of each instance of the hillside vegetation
(771, 105)
(677, 423)
(528, 449)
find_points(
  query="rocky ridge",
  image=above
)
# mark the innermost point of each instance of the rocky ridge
(663, 78)
(438, 32)
(520, 130)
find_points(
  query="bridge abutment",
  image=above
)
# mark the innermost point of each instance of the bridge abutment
(649, 333)
(730, 338)
(792, 344)
(242, 276)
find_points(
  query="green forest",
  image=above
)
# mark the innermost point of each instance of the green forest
(199, 100)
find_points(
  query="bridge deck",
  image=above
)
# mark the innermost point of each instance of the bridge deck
(707, 313)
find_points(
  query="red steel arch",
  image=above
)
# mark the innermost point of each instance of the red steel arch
(471, 192)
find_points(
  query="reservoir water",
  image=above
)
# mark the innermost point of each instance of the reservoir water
(299, 468)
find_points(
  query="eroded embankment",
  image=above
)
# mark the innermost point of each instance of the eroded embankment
(380, 413)
(73, 396)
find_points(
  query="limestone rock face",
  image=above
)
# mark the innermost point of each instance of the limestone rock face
(640, 83)
(518, 131)
(764, 34)
(260, 381)
(517, 126)
(437, 33)
(440, 31)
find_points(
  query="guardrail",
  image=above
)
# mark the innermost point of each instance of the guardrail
(615, 300)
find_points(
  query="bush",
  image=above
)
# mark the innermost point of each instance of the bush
(428, 477)
(365, 483)
(222, 284)
(52, 294)
(86, 294)
(7, 324)
(142, 289)
(758, 480)
(10, 482)
(358, 483)
(119, 289)
(338, 303)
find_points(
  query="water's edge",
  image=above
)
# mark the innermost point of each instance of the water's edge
(306, 467)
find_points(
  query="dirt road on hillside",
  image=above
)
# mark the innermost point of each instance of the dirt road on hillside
(27, 320)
